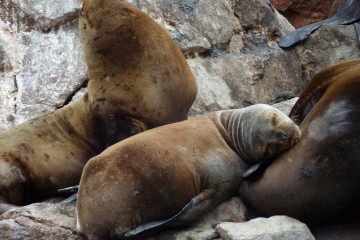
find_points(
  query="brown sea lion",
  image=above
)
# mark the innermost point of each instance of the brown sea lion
(172, 174)
(139, 79)
(317, 181)
(125, 49)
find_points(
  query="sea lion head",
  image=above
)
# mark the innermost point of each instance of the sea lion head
(264, 132)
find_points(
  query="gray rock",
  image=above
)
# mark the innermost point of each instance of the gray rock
(233, 81)
(40, 69)
(41, 221)
(277, 227)
(286, 106)
(329, 45)
(196, 25)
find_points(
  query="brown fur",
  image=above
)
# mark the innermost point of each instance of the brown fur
(317, 181)
(153, 175)
(129, 51)
(139, 79)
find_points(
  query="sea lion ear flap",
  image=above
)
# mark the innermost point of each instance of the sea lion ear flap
(274, 118)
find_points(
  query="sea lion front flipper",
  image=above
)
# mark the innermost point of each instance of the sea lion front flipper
(254, 169)
(197, 205)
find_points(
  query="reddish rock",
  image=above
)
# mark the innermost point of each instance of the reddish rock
(303, 12)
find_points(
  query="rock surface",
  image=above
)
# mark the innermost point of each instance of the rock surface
(277, 227)
(41, 221)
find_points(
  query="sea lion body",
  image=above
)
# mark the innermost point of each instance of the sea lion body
(317, 181)
(139, 79)
(153, 175)
(45, 154)
(127, 50)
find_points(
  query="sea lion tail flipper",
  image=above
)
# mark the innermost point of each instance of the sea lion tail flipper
(192, 210)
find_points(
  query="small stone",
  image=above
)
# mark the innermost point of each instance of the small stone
(277, 227)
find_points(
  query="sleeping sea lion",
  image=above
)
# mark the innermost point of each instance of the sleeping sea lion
(317, 181)
(139, 79)
(169, 176)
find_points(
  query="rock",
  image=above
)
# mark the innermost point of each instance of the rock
(41, 60)
(303, 12)
(41, 221)
(229, 81)
(286, 105)
(277, 227)
(328, 45)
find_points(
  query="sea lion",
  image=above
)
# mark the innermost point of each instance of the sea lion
(128, 51)
(172, 174)
(139, 79)
(317, 181)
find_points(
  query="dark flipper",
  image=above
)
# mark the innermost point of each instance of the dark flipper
(349, 13)
(197, 206)
(73, 189)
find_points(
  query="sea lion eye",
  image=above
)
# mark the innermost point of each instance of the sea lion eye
(284, 137)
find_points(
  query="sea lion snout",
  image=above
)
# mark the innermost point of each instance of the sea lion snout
(274, 133)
